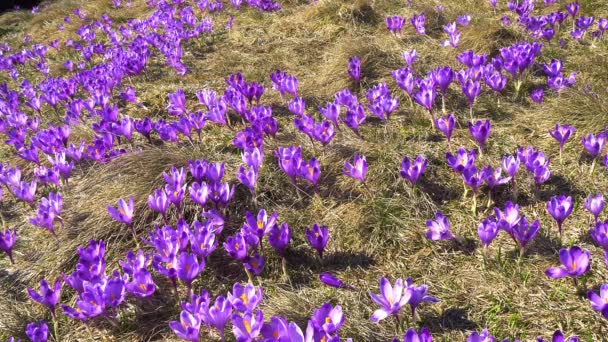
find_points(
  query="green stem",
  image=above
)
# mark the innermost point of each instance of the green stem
(56, 327)
(474, 207)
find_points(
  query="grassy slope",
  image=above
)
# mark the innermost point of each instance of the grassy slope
(373, 234)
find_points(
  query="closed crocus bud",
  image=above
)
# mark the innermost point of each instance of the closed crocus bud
(594, 205)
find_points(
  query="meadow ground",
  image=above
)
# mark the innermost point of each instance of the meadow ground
(374, 233)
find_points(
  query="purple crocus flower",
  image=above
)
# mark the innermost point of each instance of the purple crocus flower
(409, 57)
(411, 170)
(484, 336)
(594, 145)
(141, 285)
(245, 298)
(524, 233)
(124, 212)
(562, 134)
(188, 267)
(493, 177)
(254, 264)
(357, 170)
(412, 336)
(575, 262)
(595, 205)
(7, 241)
(480, 131)
(599, 302)
(446, 124)
(354, 68)
(558, 336)
(537, 95)
(462, 160)
(276, 330)
(418, 22)
(48, 296)
(279, 237)
(425, 96)
(199, 193)
(328, 318)
(487, 231)
(471, 89)
(218, 314)
(297, 106)
(261, 224)
(236, 246)
(317, 237)
(25, 191)
(599, 233)
(290, 159)
(247, 328)
(188, 327)
(391, 299)
(331, 280)
(418, 296)
(560, 208)
(177, 103)
(324, 132)
(37, 331)
(159, 202)
(395, 23)
(439, 229)
(310, 171)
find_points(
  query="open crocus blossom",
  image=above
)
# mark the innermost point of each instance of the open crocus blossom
(123, 213)
(575, 262)
(560, 208)
(37, 331)
(594, 205)
(247, 327)
(331, 280)
(462, 160)
(328, 318)
(439, 229)
(245, 298)
(48, 296)
(417, 296)
(357, 170)
(391, 299)
(599, 302)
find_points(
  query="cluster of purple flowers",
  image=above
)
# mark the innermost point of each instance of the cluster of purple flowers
(395, 23)
(294, 166)
(99, 294)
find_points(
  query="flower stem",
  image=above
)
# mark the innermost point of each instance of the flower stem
(249, 276)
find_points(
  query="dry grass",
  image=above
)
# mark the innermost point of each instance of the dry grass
(372, 234)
